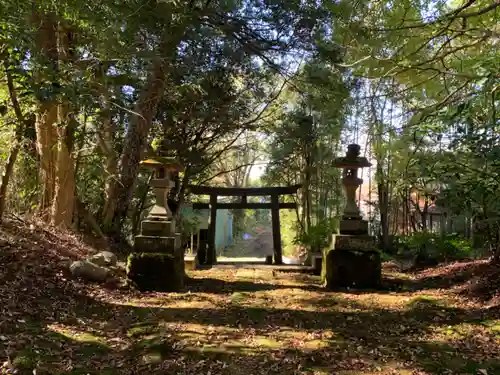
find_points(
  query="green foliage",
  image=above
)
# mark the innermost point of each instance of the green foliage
(289, 229)
(415, 59)
(304, 137)
(431, 247)
(318, 236)
(190, 224)
(154, 272)
(24, 189)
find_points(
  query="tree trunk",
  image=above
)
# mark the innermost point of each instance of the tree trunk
(46, 117)
(307, 191)
(383, 195)
(135, 142)
(63, 204)
(424, 214)
(9, 168)
(304, 198)
(121, 189)
(106, 142)
(64, 196)
(46, 142)
(136, 219)
(111, 163)
(384, 215)
(51, 142)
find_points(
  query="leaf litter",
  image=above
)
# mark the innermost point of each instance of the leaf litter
(233, 322)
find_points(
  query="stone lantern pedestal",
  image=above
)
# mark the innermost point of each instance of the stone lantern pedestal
(158, 234)
(352, 259)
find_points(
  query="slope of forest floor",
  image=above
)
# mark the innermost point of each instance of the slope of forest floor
(236, 321)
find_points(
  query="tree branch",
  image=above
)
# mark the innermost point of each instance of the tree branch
(229, 171)
(451, 15)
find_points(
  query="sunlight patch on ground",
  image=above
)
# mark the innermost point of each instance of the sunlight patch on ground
(241, 259)
(478, 333)
(379, 371)
(75, 334)
(424, 301)
(392, 301)
(492, 325)
(265, 323)
(168, 303)
(203, 338)
(254, 274)
(289, 298)
(388, 301)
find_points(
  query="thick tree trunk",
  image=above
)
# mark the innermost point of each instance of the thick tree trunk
(47, 57)
(46, 142)
(64, 196)
(63, 204)
(181, 193)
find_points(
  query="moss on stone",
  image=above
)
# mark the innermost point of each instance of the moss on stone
(155, 272)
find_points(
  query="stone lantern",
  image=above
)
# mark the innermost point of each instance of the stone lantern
(157, 262)
(159, 221)
(352, 260)
(161, 183)
(352, 222)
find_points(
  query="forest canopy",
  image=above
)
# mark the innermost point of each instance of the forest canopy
(88, 89)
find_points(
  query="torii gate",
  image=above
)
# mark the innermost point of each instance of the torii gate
(275, 206)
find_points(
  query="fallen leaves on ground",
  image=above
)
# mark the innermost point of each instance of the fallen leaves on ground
(233, 321)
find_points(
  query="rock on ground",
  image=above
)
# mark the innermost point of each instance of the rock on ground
(104, 258)
(89, 271)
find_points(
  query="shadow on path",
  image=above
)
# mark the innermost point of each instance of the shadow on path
(61, 326)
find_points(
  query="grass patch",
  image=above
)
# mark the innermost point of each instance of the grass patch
(142, 329)
(493, 325)
(266, 343)
(439, 358)
(239, 297)
(422, 302)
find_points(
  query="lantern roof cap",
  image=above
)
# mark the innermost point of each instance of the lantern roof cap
(359, 162)
(157, 162)
(352, 159)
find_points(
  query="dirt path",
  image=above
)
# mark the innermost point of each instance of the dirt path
(259, 245)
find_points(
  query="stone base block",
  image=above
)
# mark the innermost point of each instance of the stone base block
(155, 272)
(154, 244)
(351, 242)
(191, 263)
(351, 268)
(353, 227)
(162, 228)
(317, 262)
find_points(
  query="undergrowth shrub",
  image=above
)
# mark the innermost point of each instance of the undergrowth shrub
(319, 236)
(154, 272)
(430, 247)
